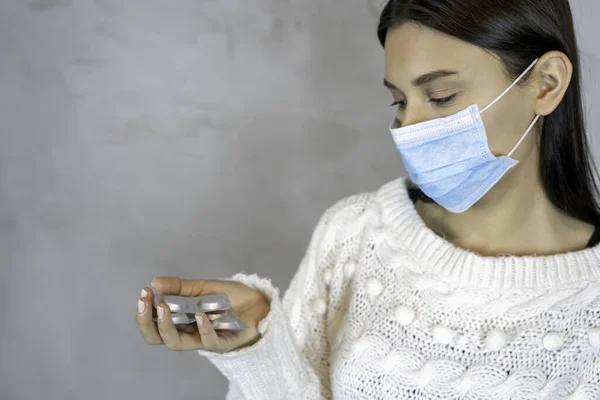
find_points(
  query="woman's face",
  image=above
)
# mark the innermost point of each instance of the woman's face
(431, 75)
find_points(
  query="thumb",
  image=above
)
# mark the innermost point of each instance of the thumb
(181, 287)
(208, 336)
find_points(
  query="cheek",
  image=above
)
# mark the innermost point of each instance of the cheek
(500, 136)
(504, 130)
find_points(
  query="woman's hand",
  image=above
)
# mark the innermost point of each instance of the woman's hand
(248, 304)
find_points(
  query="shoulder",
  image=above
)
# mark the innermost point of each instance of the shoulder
(347, 208)
(347, 216)
(356, 203)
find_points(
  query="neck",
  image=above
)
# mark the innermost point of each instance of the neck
(515, 217)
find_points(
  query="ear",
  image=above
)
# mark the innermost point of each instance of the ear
(552, 76)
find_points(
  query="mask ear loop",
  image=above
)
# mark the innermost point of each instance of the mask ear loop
(525, 134)
(511, 86)
(506, 91)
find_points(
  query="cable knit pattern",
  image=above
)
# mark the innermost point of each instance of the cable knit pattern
(383, 308)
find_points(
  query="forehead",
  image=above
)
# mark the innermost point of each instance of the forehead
(412, 50)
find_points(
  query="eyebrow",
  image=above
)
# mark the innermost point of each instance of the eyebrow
(423, 79)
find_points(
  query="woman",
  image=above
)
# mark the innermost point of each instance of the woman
(476, 277)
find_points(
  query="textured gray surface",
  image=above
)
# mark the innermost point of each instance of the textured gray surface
(188, 138)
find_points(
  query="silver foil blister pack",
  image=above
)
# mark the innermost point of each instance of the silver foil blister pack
(217, 308)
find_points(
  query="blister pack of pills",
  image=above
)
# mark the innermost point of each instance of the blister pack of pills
(217, 308)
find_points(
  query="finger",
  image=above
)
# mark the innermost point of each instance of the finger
(183, 287)
(208, 335)
(143, 318)
(166, 328)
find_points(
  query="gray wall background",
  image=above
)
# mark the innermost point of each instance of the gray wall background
(188, 138)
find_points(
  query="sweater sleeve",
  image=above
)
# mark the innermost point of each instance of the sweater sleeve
(291, 359)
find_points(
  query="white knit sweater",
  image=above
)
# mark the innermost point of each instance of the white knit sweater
(383, 308)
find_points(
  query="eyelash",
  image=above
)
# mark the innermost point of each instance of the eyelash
(441, 102)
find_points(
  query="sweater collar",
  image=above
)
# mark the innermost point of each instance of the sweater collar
(405, 227)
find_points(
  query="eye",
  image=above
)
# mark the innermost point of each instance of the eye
(399, 103)
(443, 100)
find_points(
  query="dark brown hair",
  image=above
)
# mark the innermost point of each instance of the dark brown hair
(519, 31)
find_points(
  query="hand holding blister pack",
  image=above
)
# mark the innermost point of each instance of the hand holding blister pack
(217, 308)
(198, 314)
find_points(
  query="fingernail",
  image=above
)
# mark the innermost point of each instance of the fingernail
(141, 306)
(161, 312)
(144, 293)
(200, 319)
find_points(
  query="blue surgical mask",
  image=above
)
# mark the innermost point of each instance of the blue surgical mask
(449, 158)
